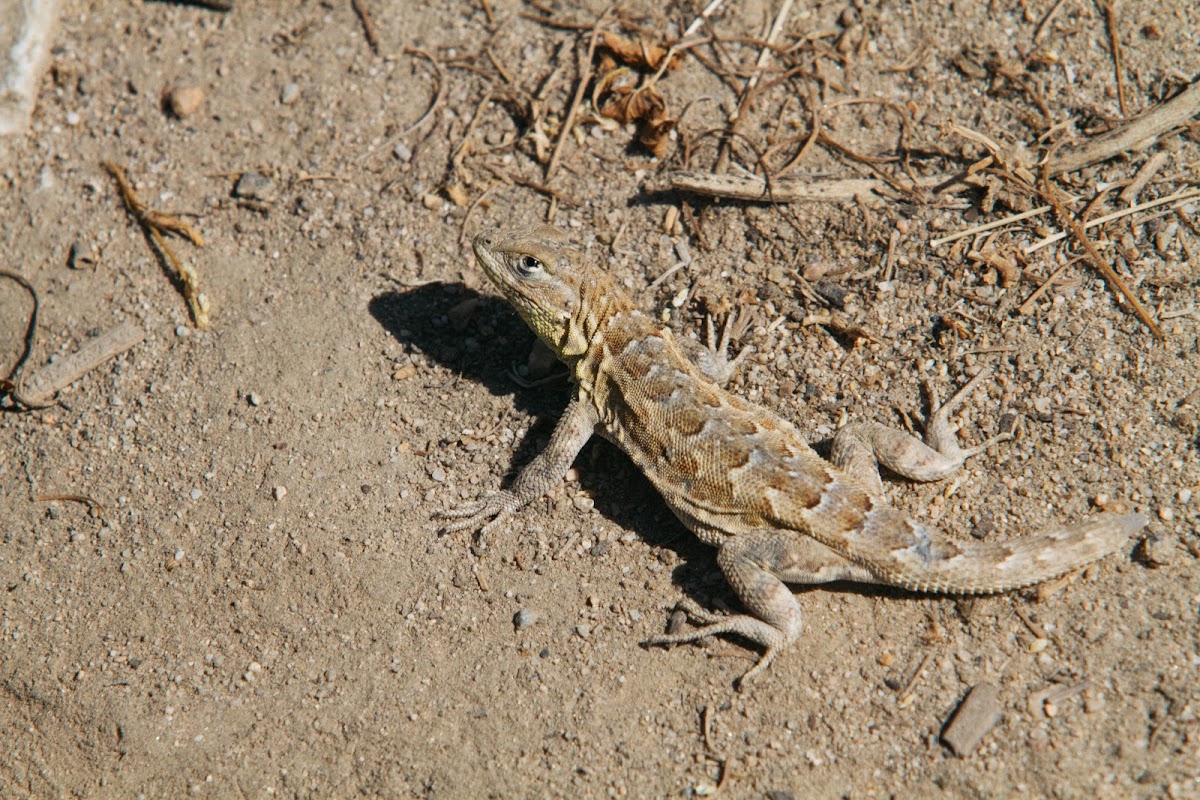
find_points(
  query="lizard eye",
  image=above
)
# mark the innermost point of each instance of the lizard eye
(528, 265)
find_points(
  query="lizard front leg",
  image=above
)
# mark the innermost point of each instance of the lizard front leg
(859, 448)
(576, 426)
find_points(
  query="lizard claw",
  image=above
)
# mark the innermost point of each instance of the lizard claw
(496, 508)
(752, 628)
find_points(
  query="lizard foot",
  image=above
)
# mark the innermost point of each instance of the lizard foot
(744, 625)
(942, 435)
(496, 508)
(712, 357)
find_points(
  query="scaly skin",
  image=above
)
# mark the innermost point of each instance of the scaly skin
(739, 476)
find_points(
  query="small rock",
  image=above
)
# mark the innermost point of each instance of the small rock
(1156, 551)
(290, 93)
(279, 492)
(402, 153)
(601, 548)
(438, 474)
(984, 527)
(254, 399)
(253, 186)
(183, 101)
(583, 631)
(81, 257)
(524, 618)
(978, 713)
(195, 494)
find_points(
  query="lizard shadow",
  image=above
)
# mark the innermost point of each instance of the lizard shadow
(474, 336)
(478, 337)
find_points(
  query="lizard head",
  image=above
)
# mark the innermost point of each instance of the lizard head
(540, 274)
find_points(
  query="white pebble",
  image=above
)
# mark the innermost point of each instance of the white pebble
(195, 494)
(280, 492)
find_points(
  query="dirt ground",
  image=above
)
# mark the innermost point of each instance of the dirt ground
(257, 602)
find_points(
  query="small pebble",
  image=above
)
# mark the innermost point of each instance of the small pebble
(583, 631)
(1156, 551)
(524, 619)
(196, 494)
(402, 153)
(438, 474)
(1184, 496)
(254, 399)
(181, 330)
(253, 186)
(978, 713)
(1166, 513)
(183, 101)
(279, 492)
(290, 93)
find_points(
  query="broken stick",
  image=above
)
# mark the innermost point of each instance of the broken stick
(60, 374)
(1173, 113)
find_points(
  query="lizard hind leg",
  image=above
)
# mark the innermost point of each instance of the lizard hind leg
(860, 447)
(756, 566)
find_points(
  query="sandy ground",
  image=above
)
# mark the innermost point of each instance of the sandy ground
(258, 602)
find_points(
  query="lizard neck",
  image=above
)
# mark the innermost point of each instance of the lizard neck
(600, 301)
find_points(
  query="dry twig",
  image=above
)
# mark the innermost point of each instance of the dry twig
(11, 384)
(764, 58)
(368, 28)
(58, 375)
(1174, 112)
(154, 225)
(1178, 197)
(1050, 194)
(585, 77)
(1109, 7)
(436, 103)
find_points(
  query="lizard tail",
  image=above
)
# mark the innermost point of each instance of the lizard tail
(926, 560)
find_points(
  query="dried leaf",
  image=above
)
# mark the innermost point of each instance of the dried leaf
(644, 106)
(638, 53)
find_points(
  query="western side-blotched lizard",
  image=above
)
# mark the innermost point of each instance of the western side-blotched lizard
(738, 475)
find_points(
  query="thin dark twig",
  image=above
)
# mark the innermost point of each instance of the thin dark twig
(585, 77)
(368, 28)
(10, 384)
(1051, 196)
(1109, 7)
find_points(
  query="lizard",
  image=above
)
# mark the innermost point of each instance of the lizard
(740, 476)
